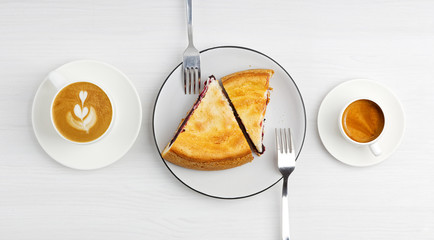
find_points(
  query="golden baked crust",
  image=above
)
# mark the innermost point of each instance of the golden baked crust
(249, 93)
(209, 165)
(211, 139)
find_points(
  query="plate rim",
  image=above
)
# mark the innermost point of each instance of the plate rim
(226, 47)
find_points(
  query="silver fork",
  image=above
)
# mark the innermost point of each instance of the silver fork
(286, 163)
(191, 59)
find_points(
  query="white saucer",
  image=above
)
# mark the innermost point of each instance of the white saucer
(328, 115)
(112, 146)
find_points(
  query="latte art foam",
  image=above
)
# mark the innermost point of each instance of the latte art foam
(86, 119)
(82, 112)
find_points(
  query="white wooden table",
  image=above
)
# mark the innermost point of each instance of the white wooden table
(320, 43)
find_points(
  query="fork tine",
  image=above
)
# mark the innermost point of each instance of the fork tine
(189, 80)
(281, 142)
(199, 82)
(194, 80)
(290, 143)
(285, 140)
(198, 78)
(185, 81)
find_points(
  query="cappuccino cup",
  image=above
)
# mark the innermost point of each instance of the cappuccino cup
(81, 111)
(362, 122)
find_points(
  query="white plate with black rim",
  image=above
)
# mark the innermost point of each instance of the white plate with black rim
(286, 109)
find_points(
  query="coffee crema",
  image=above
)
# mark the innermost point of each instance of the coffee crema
(82, 112)
(363, 121)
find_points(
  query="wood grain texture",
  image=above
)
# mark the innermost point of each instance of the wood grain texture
(320, 43)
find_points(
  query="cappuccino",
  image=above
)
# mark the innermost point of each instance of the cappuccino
(82, 112)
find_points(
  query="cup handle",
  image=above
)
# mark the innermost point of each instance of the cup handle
(57, 80)
(375, 149)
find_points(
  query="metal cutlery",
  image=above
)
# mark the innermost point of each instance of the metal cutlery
(191, 59)
(286, 163)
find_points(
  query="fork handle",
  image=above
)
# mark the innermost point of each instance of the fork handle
(189, 22)
(285, 210)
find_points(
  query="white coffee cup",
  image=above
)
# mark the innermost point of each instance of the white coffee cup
(373, 144)
(59, 82)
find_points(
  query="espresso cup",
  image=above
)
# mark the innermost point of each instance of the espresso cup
(81, 111)
(362, 122)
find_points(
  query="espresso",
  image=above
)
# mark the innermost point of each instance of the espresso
(363, 121)
(82, 112)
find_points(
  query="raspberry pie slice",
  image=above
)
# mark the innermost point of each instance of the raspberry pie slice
(209, 138)
(249, 93)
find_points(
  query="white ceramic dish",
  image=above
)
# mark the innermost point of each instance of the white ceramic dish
(123, 132)
(335, 143)
(286, 109)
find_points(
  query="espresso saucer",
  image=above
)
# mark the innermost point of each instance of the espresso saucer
(115, 143)
(328, 128)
